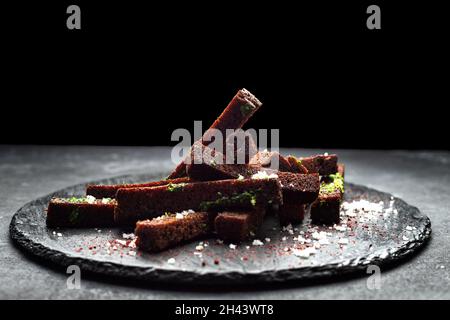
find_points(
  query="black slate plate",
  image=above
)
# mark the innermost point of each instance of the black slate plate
(374, 239)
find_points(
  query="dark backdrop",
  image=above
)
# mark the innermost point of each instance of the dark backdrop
(135, 72)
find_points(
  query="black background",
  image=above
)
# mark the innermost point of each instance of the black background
(136, 71)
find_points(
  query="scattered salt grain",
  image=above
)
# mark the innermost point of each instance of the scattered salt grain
(264, 175)
(199, 248)
(171, 261)
(59, 234)
(232, 246)
(301, 239)
(267, 239)
(90, 199)
(305, 253)
(319, 235)
(129, 236)
(257, 242)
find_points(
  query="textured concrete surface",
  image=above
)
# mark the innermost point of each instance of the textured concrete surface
(420, 178)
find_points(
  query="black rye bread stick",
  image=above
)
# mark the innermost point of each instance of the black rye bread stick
(242, 195)
(297, 188)
(109, 191)
(267, 159)
(80, 212)
(291, 213)
(296, 166)
(238, 226)
(326, 209)
(243, 105)
(323, 164)
(172, 229)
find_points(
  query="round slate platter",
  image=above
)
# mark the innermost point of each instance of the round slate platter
(373, 238)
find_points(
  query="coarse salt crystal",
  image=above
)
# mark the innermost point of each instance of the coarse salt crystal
(267, 239)
(319, 235)
(129, 236)
(186, 212)
(305, 253)
(232, 246)
(257, 242)
(284, 239)
(301, 239)
(171, 261)
(90, 199)
(59, 234)
(264, 175)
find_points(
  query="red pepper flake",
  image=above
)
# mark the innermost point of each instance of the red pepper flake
(244, 258)
(216, 261)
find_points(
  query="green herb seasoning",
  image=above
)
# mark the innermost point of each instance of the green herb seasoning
(336, 184)
(174, 187)
(246, 109)
(76, 200)
(245, 198)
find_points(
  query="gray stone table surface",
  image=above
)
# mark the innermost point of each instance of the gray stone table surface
(421, 178)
